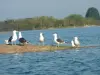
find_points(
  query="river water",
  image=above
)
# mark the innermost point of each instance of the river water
(83, 61)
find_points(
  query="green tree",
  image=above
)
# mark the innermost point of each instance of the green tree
(75, 19)
(92, 13)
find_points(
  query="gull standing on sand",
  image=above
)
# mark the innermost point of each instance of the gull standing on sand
(12, 40)
(76, 42)
(41, 39)
(14, 37)
(57, 40)
(21, 39)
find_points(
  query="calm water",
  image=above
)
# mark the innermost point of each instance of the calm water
(84, 61)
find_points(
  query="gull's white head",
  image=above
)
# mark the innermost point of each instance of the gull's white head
(55, 34)
(76, 38)
(14, 31)
(41, 33)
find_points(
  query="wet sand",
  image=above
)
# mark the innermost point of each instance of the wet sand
(34, 48)
(28, 48)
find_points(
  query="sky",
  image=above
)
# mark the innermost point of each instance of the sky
(15, 9)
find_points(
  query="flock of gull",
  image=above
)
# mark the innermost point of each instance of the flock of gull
(12, 39)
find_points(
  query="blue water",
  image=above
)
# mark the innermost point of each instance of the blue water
(84, 61)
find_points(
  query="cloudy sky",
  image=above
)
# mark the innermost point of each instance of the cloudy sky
(14, 9)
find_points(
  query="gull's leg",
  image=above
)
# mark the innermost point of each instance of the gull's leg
(15, 42)
(58, 44)
(43, 43)
(39, 43)
(12, 42)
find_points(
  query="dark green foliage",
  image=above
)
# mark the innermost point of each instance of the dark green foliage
(75, 19)
(45, 22)
(92, 13)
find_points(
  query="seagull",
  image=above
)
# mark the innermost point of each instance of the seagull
(72, 42)
(57, 40)
(14, 37)
(76, 42)
(21, 39)
(41, 39)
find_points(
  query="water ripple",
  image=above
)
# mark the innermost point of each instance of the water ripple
(84, 61)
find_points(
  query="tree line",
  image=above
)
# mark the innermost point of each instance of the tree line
(92, 17)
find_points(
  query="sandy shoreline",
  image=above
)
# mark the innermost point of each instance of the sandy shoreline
(28, 48)
(34, 48)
